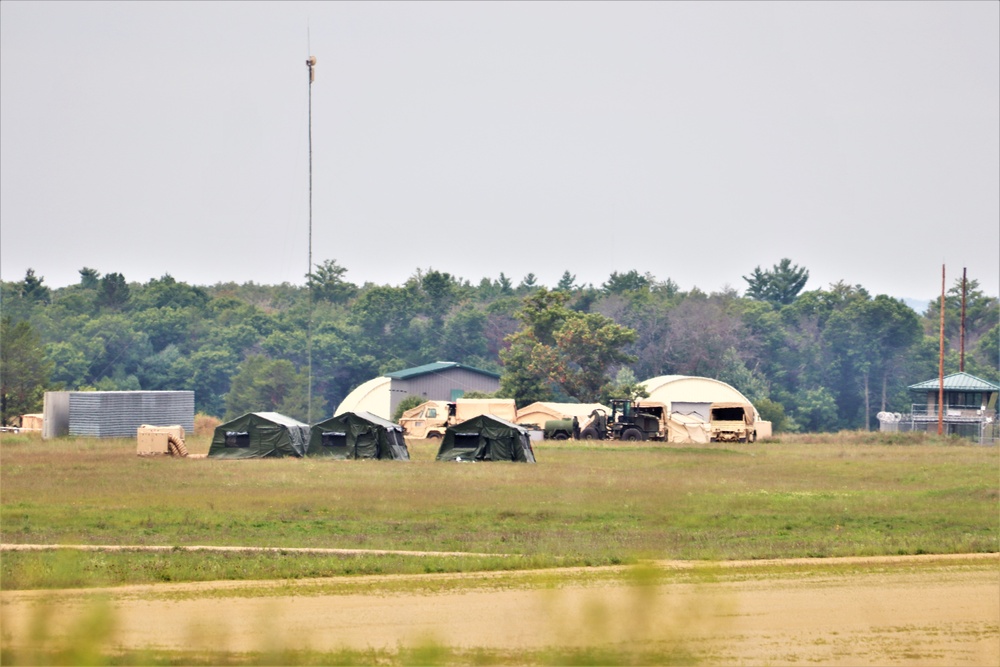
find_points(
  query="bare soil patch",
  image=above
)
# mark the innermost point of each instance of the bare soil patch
(941, 611)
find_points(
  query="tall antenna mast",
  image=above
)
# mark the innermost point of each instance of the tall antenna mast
(941, 362)
(311, 64)
(961, 358)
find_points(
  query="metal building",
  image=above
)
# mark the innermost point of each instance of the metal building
(440, 381)
(115, 414)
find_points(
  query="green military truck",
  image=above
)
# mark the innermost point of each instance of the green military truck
(562, 429)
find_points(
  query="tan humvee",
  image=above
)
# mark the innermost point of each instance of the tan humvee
(431, 419)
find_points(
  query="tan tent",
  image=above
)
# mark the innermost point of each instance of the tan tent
(686, 429)
(469, 408)
(540, 412)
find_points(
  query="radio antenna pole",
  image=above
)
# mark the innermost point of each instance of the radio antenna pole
(311, 64)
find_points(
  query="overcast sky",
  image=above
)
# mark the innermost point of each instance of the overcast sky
(693, 141)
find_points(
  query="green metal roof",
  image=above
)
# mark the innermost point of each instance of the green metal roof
(436, 367)
(956, 382)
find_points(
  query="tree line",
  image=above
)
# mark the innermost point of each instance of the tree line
(820, 360)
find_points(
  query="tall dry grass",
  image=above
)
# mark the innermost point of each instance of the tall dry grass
(204, 425)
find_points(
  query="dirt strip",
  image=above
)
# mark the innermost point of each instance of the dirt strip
(937, 612)
(668, 564)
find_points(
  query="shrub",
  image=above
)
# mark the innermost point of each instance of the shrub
(205, 424)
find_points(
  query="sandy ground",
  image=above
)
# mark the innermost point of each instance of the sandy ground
(936, 614)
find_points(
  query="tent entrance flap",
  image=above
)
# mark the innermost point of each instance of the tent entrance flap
(366, 445)
(268, 438)
(239, 439)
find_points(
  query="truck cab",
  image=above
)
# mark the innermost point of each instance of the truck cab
(427, 420)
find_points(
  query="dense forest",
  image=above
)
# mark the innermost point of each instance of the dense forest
(820, 360)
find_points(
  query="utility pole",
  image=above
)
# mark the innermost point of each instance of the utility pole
(311, 64)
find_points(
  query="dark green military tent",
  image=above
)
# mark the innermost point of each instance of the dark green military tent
(357, 435)
(486, 438)
(257, 435)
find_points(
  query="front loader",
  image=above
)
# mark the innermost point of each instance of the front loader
(628, 421)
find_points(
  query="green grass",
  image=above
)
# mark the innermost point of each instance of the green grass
(68, 568)
(582, 504)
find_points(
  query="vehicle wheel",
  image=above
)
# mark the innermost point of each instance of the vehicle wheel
(560, 436)
(632, 435)
(433, 435)
(589, 434)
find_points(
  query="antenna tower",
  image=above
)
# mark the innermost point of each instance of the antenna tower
(311, 64)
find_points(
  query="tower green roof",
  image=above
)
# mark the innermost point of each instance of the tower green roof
(957, 382)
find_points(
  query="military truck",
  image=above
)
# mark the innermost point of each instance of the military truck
(628, 421)
(432, 419)
(732, 422)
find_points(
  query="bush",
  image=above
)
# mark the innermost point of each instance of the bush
(205, 424)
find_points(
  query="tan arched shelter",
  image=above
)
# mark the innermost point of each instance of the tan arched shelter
(371, 396)
(692, 396)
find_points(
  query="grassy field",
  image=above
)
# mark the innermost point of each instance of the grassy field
(582, 504)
